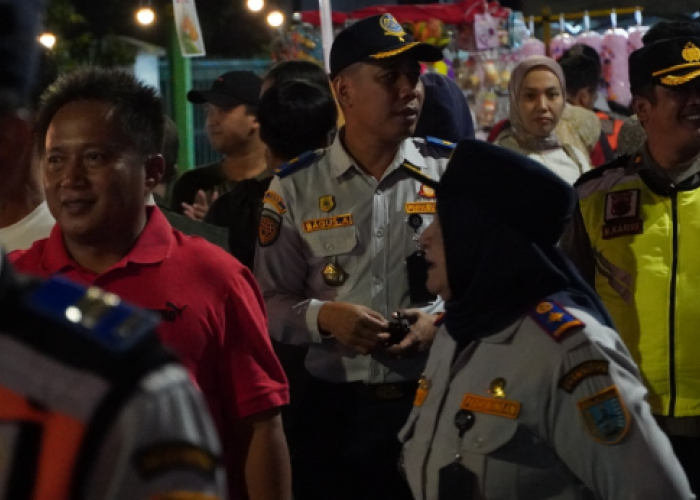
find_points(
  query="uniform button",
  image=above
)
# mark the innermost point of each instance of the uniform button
(329, 246)
(379, 233)
(478, 442)
(378, 280)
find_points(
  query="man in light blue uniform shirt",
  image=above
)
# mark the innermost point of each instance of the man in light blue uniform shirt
(338, 255)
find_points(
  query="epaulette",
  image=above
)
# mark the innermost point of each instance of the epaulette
(98, 315)
(620, 161)
(554, 319)
(416, 173)
(300, 161)
(440, 142)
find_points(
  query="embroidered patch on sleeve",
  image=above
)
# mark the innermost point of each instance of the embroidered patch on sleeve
(269, 228)
(161, 458)
(605, 416)
(582, 371)
(276, 201)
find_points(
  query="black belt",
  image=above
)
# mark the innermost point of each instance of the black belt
(377, 392)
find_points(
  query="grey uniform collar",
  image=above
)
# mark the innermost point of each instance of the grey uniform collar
(672, 177)
(341, 161)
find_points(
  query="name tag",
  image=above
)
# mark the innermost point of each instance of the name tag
(327, 223)
(426, 207)
(491, 406)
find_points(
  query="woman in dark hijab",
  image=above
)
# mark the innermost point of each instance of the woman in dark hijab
(527, 387)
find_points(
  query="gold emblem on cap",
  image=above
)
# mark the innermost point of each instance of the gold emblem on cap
(691, 53)
(392, 27)
(497, 387)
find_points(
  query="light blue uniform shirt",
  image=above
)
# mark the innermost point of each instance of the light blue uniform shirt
(372, 251)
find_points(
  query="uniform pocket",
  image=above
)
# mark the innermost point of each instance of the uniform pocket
(336, 246)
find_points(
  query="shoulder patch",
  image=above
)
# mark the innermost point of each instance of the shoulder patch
(605, 416)
(98, 315)
(554, 319)
(440, 142)
(582, 371)
(296, 164)
(620, 161)
(167, 457)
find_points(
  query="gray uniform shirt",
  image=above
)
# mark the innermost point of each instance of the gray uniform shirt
(372, 251)
(553, 431)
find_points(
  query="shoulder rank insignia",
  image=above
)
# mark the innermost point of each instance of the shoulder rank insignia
(554, 319)
(97, 314)
(297, 163)
(440, 142)
(417, 174)
(606, 416)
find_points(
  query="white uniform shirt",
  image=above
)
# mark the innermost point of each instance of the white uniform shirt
(554, 432)
(372, 251)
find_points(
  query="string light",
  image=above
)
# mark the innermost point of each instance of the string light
(256, 5)
(275, 19)
(48, 40)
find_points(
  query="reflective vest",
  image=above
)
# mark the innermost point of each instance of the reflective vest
(610, 127)
(69, 358)
(645, 240)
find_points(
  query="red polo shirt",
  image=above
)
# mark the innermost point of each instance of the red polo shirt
(211, 308)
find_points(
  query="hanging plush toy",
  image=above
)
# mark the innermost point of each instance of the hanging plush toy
(588, 37)
(532, 46)
(614, 59)
(562, 42)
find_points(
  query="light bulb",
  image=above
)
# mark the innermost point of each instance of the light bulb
(48, 40)
(275, 19)
(256, 5)
(145, 16)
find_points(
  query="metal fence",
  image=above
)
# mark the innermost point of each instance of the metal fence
(204, 72)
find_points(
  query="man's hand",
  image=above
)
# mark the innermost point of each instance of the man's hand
(199, 207)
(420, 337)
(357, 327)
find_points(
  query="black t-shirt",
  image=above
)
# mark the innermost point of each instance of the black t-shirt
(239, 211)
(208, 178)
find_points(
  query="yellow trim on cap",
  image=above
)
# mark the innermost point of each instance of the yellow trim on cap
(680, 80)
(673, 68)
(391, 53)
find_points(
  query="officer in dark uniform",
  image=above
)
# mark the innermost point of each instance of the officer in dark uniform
(91, 405)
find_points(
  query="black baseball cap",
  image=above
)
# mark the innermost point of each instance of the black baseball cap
(376, 38)
(671, 62)
(229, 90)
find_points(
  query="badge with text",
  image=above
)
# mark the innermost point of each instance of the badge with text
(269, 228)
(497, 388)
(326, 203)
(276, 201)
(327, 223)
(334, 275)
(606, 416)
(622, 214)
(426, 191)
(421, 207)
(582, 371)
(498, 407)
(166, 457)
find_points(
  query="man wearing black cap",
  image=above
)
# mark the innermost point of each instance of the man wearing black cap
(338, 254)
(528, 393)
(635, 236)
(233, 131)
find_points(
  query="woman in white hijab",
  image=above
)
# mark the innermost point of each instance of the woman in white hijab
(537, 102)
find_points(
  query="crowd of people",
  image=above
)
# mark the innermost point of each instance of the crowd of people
(360, 300)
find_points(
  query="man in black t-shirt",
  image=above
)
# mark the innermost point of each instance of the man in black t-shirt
(233, 130)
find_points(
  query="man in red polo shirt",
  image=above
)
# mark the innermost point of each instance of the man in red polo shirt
(100, 134)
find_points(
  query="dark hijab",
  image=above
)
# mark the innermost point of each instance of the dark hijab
(502, 215)
(445, 113)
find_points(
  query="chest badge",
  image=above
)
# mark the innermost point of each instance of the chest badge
(497, 388)
(334, 275)
(622, 214)
(422, 392)
(426, 191)
(326, 203)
